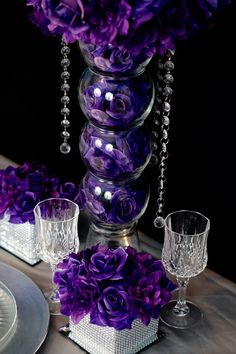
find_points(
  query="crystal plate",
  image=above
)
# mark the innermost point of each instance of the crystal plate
(32, 312)
(8, 315)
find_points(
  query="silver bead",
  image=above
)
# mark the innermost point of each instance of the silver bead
(166, 120)
(166, 106)
(65, 100)
(164, 147)
(159, 222)
(65, 87)
(168, 78)
(154, 146)
(165, 134)
(169, 65)
(154, 134)
(65, 111)
(153, 160)
(65, 123)
(167, 91)
(156, 122)
(65, 62)
(65, 148)
(65, 134)
(65, 75)
(160, 65)
(65, 50)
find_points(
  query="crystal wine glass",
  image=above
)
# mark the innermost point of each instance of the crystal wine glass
(184, 255)
(56, 227)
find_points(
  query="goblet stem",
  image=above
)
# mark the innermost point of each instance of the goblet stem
(54, 287)
(181, 308)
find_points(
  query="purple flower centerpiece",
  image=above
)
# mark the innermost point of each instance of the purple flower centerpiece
(117, 40)
(21, 188)
(117, 288)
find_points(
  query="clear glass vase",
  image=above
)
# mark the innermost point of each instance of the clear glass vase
(116, 95)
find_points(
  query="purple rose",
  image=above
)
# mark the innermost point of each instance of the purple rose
(137, 146)
(113, 309)
(113, 59)
(128, 204)
(39, 179)
(108, 265)
(109, 102)
(106, 20)
(8, 191)
(102, 155)
(173, 17)
(79, 300)
(123, 208)
(147, 298)
(65, 16)
(22, 209)
(114, 203)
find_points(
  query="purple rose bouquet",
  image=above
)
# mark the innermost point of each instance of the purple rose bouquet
(114, 287)
(141, 26)
(21, 188)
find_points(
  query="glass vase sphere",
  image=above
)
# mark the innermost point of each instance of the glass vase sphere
(114, 102)
(111, 59)
(114, 203)
(119, 155)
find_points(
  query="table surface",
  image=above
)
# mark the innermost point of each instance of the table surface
(215, 295)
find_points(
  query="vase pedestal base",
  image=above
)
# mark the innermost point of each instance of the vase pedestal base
(113, 236)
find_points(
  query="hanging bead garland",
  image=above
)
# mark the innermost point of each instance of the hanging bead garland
(162, 110)
(65, 100)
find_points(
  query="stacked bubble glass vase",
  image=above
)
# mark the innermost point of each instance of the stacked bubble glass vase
(116, 95)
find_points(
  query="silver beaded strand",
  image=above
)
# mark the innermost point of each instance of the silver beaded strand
(162, 110)
(65, 100)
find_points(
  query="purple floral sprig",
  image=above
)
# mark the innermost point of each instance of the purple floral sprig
(113, 286)
(21, 188)
(138, 26)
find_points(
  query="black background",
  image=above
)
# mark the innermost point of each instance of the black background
(201, 167)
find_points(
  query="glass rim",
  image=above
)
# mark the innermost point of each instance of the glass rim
(188, 211)
(77, 209)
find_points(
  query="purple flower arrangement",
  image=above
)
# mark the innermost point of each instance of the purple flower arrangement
(113, 286)
(21, 188)
(135, 26)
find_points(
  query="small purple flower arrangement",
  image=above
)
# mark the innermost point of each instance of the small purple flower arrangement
(21, 188)
(113, 286)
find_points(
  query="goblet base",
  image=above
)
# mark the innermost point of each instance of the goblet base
(181, 321)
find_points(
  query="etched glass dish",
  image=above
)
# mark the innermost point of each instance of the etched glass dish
(8, 315)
